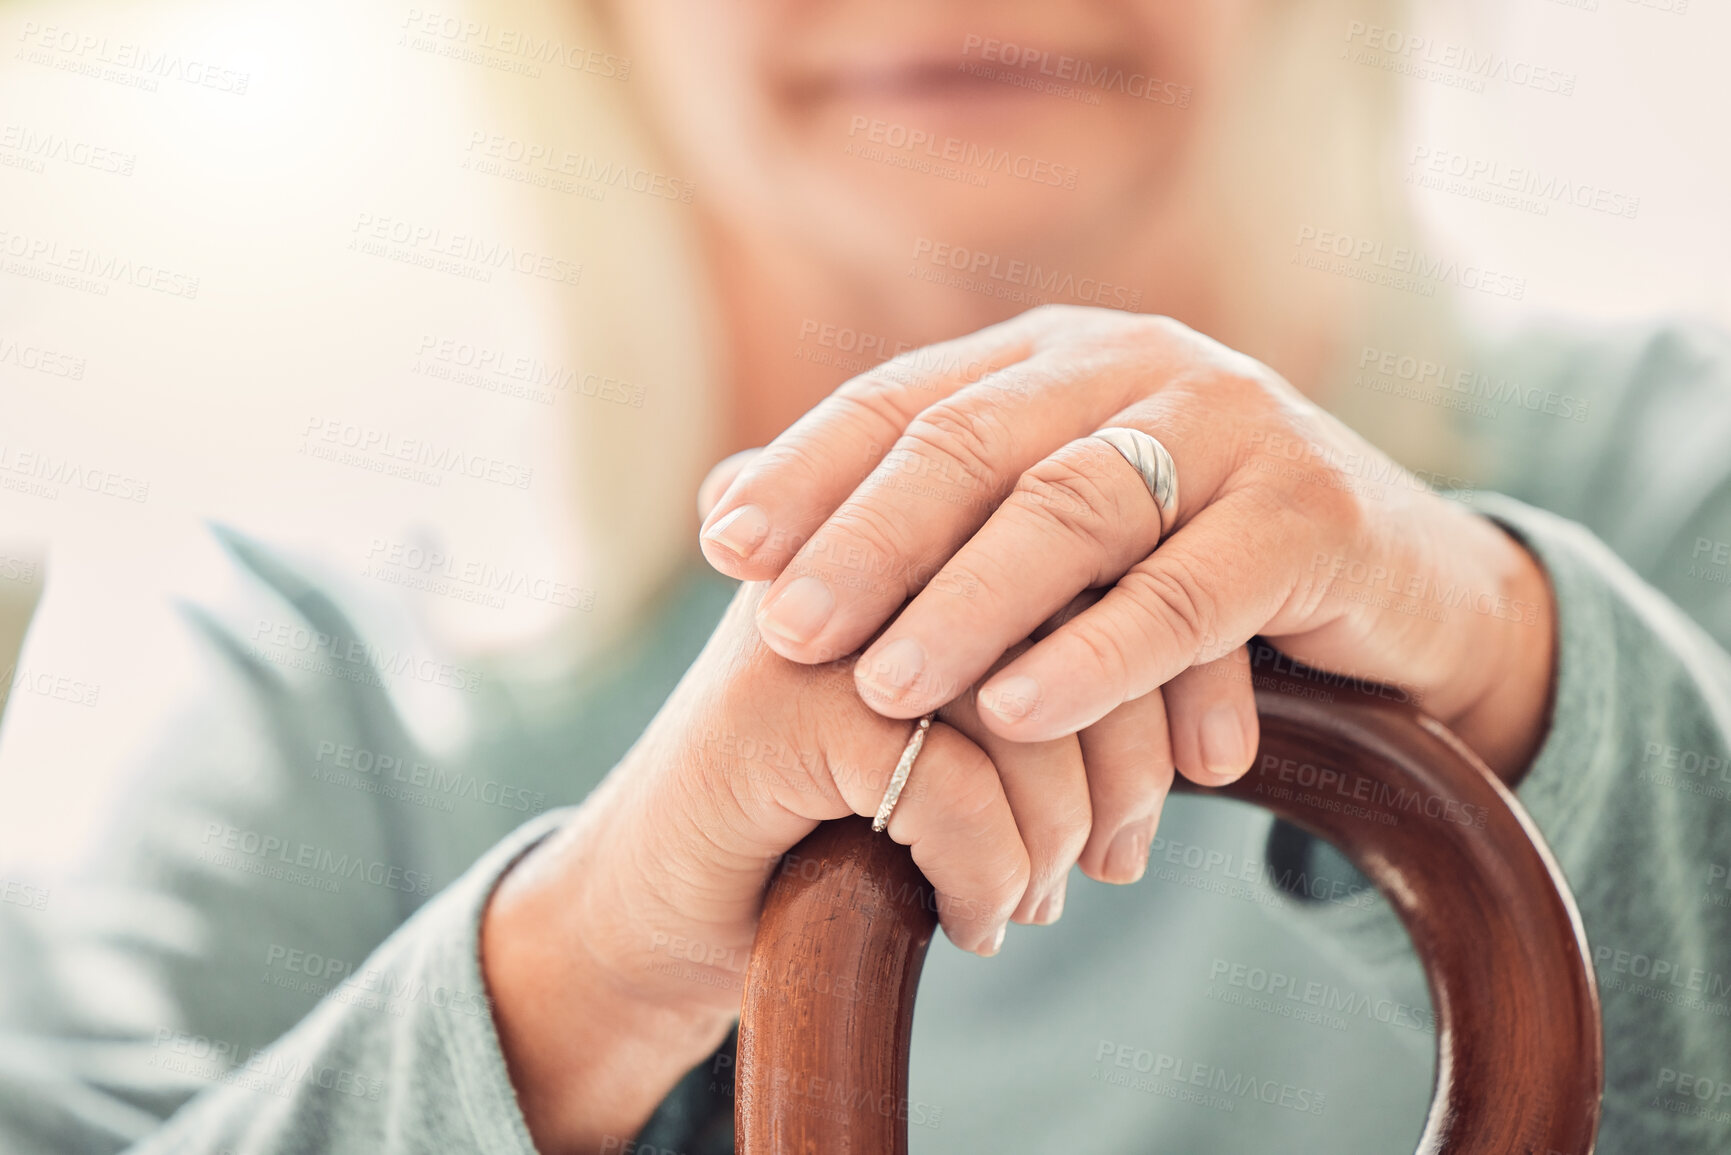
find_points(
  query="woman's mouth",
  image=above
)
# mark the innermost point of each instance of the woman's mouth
(922, 80)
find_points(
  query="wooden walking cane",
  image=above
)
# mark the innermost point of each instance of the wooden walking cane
(1519, 1054)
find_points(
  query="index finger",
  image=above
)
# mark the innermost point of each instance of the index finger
(778, 501)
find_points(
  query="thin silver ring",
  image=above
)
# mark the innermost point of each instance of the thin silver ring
(1149, 458)
(900, 777)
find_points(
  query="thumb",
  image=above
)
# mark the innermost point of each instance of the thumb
(719, 478)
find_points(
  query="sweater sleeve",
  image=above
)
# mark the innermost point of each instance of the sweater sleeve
(212, 939)
(1630, 789)
(401, 1057)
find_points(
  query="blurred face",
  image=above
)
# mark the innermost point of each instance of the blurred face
(866, 133)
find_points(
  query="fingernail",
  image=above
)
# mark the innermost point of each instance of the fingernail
(1013, 698)
(1052, 906)
(892, 669)
(741, 531)
(997, 941)
(1127, 857)
(1225, 747)
(799, 611)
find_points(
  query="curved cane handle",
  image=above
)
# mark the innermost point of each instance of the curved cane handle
(829, 994)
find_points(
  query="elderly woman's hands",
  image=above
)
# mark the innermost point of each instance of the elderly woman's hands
(963, 476)
(615, 952)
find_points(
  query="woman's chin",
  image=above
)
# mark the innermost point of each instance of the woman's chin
(895, 216)
(901, 203)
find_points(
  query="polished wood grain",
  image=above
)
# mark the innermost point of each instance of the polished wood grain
(829, 998)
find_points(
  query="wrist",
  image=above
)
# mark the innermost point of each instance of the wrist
(1507, 718)
(590, 1050)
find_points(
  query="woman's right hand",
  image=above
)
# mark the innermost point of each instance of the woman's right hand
(615, 951)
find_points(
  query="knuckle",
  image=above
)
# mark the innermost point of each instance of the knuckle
(1067, 815)
(1072, 833)
(1053, 313)
(1104, 650)
(1014, 883)
(1333, 504)
(1058, 842)
(1080, 505)
(1179, 609)
(1170, 326)
(1003, 878)
(962, 439)
(870, 402)
(974, 790)
(793, 463)
(1145, 784)
(862, 544)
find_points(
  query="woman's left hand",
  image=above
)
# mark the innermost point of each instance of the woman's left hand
(963, 476)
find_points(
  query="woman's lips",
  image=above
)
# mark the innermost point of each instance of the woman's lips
(925, 79)
(970, 74)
